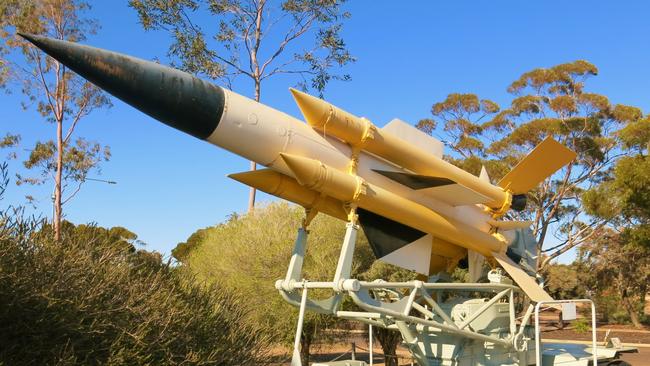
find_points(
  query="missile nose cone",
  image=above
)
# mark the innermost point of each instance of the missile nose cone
(313, 109)
(171, 96)
(32, 38)
(308, 172)
(265, 180)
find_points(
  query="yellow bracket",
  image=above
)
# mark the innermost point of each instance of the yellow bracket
(330, 114)
(498, 212)
(310, 214)
(352, 213)
(361, 186)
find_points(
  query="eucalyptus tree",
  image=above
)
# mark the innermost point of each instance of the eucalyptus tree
(62, 98)
(547, 102)
(619, 256)
(255, 39)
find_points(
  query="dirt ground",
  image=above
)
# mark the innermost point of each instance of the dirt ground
(342, 351)
(627, 334)
(331, 352)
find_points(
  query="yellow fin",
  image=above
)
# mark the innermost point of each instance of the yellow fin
(543, 161)
(523, 280)
(509, 225)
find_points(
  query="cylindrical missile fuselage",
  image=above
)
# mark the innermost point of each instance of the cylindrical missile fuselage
(362, 133)
(261, 134)
(285, 187)
(348, 188)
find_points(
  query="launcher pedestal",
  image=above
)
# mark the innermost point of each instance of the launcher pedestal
(441, 323)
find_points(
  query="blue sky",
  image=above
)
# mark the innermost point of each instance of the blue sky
(409, 55)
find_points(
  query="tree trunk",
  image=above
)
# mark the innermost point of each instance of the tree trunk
(305, 345)
(388, 339)
(57, 181)
(632, 312)
(253, 166)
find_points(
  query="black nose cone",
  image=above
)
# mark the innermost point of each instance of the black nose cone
(171, 96)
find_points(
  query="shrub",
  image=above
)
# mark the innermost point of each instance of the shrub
(92, 299)
(582, 325)
(250, 252)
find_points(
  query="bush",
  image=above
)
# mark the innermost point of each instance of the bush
(250, 252)
(92, 299)
(582, 325)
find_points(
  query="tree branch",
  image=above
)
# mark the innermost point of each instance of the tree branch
(289, 36)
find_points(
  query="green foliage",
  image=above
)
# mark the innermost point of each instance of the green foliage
(92, 299)
(582, 325)
(10, 142)
(547, 102)
(563, 281)
(183, 250)
(615, 266)
(245, 30)
(249, 253)
(636, 135)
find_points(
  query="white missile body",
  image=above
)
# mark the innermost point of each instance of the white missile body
(422, 224)
(272, 132)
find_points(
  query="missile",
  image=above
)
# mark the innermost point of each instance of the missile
(417, 210)
(285, 187)
(348, 188)
(361, 133)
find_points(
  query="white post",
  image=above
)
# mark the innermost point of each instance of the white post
(538, 342)
(295, 358)
(594, 350)
(370, 342)
(344, 266)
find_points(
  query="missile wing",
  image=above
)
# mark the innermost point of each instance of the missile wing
(544, 160)
(418, 211)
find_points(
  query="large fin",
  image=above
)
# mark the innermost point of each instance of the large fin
(403, 246)
(484, 176)
(415, 181)
(523, 280)
(385, 235)
(475, 262)
(414, 136)
(539, 164)
(441, 188)
(415, 256)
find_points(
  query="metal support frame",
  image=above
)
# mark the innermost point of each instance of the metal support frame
(370, 345)
(407, 314)
(395, 315)
(293, 279)
(295, 358)
(399, 311)
(378, 312)
(538, 341)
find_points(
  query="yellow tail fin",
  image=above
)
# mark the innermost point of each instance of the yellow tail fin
(539, 164)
